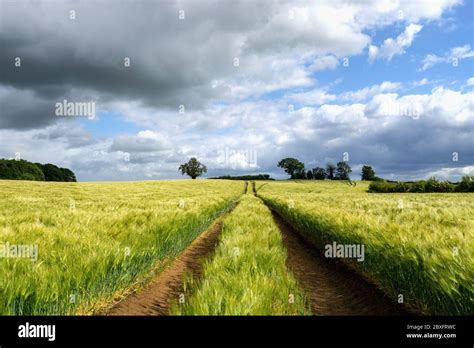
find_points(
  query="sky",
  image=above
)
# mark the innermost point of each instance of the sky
(239, 84)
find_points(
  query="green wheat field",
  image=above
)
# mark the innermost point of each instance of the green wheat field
(97, 240)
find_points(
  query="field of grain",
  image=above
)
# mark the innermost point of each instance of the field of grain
(248, 273)
(419, 248)
(96, 240)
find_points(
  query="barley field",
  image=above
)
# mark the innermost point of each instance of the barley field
(96, 240)
(248, 274)
(419, 248)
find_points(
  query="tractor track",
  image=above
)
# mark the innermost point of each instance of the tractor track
(167, 288)
(332, 288)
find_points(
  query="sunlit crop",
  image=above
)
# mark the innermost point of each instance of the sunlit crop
(95, 240)
(420, 246)
(248, 274)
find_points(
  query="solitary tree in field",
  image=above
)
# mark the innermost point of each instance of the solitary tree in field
(293, 167)
(367, 173)
(193, 168)
(309, 175)
(343, 170)
(319, 173)
(330, 170)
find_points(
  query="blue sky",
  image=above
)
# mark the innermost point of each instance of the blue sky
(400, 105)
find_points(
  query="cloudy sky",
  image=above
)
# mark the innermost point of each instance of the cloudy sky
(240, 85)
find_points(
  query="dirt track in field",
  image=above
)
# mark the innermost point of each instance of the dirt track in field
(165, 289)
(157, 297)
(332, 288)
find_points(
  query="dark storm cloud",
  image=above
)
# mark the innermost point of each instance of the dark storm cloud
(24, 109)
(172, 61)
(36, 107)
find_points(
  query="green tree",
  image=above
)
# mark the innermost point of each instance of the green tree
(292, 166)
(466, 184)
(309, 175)
(319, 173)
(330, 170)
(193, 168)
(68, 175)
(51, 172)
(20, 170)
(343, 170)
(367, 173)
(24, 170)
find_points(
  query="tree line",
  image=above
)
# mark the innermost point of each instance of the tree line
(24, 170)
(292, 166)
(340, 171)
(296, 170)
(245, 177)
(423, 186)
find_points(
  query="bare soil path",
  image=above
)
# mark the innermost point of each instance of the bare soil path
(157, 297)
(165, 289)
(333, 289)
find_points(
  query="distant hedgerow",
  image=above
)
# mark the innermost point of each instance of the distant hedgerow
(423, 186)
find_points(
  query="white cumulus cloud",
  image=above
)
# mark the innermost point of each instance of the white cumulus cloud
(453, 56)
(392, 47)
